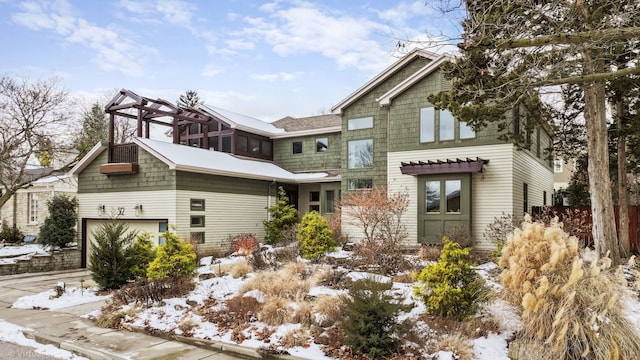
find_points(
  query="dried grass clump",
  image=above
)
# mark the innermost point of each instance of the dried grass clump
(570, 299)
(304, 314)
(429, 252)
(295, 337)
(290, 282)
(240, 269)
(276, 311)
(328, 310)
(461, 347)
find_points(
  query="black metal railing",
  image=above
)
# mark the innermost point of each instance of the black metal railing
(124, 153)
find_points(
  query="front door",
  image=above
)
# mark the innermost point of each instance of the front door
(443, 201)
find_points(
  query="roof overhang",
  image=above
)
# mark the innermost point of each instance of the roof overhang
(443, 166)
(320, 131)
(88, 159)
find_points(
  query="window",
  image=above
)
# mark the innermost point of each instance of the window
(266, 148)
(226, 144)
(360, 153)
(432, 197)
(197, 220)
(297, 147)
(544, 198)
(33, 208)
(452, 191)
(359, 184)
(360, 123)
(242, 144)
(322, 145)
(196, 237)
(447, 128)
(314, 196)
(557, 166)
(427, 124)
(329, 206)
(254, 146)
(213, 143)
(162, 227)
(538, 140)
(197, 204)
(314, 208)
(525, 197)
(193, 142)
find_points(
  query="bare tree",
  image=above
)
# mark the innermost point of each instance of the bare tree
(34, 126)
(515, 50)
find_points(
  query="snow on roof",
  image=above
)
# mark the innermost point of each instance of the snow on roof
(242, 122)
(192, 159)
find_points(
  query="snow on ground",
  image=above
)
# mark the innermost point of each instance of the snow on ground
(173, 314)
(13, 333)
(9, 254)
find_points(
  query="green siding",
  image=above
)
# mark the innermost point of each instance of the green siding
(220, 184)
(309, 159)
(153, 175)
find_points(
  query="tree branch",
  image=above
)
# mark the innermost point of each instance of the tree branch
(580, 79)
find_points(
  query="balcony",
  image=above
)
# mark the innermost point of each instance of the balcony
(123, 159)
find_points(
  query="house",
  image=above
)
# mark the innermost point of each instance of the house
(221, 170)
(562, 173)
(454, 176)
(27, 208)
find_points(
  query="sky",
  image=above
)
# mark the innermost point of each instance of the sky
(263, 59)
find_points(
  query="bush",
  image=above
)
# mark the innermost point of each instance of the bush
(450, 288)
(283, 216)
(110, 258)
(497, 231)
(243, 244)
(59, 227)
(10, 234)
(146, 292)
(314, 236)
(142, 253)
(370, 319)
(174, 258)
(570, 299)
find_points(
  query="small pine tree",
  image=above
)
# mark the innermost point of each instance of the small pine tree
(10, 234)
(371, 319)
(451, 288)
(142, 254)
(283, 217)
(110, 258)
(174, 258)
(314, 236)
(59, 227)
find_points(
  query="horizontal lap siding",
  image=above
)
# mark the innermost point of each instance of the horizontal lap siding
(538, 176)
(491, 189)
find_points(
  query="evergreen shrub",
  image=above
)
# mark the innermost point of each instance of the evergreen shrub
(142, 253)
(371, 319)
(174, 258)
(283, 216)
(110, 258)
(451, 288)
(10, 234)
(59, 227)
(314, 236)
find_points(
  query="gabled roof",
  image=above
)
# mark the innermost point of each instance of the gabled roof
(381, 77)
(241, 122)
(310, 125)
(426, 70)
(203, 161)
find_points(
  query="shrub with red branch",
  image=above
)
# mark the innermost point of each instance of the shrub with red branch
(244, 244)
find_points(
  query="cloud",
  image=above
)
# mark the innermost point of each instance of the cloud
(274, 76)
(211, 70)
(114, 52)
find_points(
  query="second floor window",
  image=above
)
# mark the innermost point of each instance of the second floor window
(297, 147)
(360, 123)
(322, 144)
(445, 128)
(360, 153)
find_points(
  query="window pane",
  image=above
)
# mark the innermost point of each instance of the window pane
(297, 147)
(356, 184)
(254, 145)
(226, 144)
(330, 199)
(197, 221)
(452, 190)
(242, 143)
(314, 196)
(197, 204)
(466, 132)
(322, 144)
(213, 143)
(315, 208)
(432, 196)
(447, 125)
(360, 153)
(427, 124)
(266, 148)
(361, 123)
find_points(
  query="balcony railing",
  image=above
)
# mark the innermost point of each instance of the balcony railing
(124, 153)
